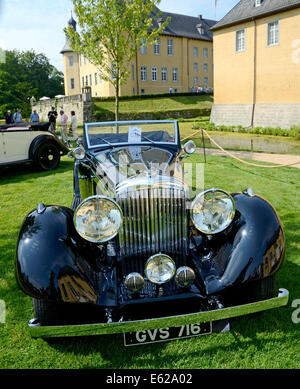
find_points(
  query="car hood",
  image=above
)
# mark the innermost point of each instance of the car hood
(128, 168)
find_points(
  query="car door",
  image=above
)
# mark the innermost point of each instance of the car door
(14, 145)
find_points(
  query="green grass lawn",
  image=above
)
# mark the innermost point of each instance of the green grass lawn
(175, 103)
(265, 340)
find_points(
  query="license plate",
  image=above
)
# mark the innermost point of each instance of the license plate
(166, 334)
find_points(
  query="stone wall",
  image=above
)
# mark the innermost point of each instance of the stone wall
(81, 104)
(265, 115)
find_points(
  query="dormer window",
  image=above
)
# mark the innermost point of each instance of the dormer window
(258, 3)
(200, 29)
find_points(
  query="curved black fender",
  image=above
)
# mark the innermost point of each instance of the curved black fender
(39, 140)
(54, 263)
(253, 248)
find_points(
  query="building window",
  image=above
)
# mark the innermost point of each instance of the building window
(258, 3)
(71, 60)
(96, 79)
(72, 83)
(205, 52)
(157, 46)
(196, 80)
(100, 78)
(170, 47)
(90, 80)
(84, 60)
(164, 74)
(205, 67)
(132, 72)
(113, 71)
(196, 67)
(142, 91)
(82, 81)
(175, 74)
(154, 73)
(273, 33)
(86, 80)
(143, 73)
(206, 81)
(143, 47)
(195, 52)
(240, 43)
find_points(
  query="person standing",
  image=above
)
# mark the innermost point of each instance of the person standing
(34, 117)
(63, 123)
(9, 118)
(73, 127)
(52, 115)
(17, 117)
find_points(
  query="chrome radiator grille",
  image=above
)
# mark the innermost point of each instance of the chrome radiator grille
(155, 220)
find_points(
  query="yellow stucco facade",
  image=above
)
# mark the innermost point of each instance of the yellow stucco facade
(179, 63)
(275, 70)
(257, 71)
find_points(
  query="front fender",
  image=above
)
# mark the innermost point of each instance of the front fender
(52, 260)
(252, 249)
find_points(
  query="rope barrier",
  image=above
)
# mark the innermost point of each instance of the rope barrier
(235, 157)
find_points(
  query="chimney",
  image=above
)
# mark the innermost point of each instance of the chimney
(200, 17)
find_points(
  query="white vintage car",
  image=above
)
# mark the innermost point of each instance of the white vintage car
(30, 142)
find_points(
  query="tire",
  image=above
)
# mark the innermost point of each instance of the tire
(252, 291)
(47, 156)
(46, 312)
(262, 289)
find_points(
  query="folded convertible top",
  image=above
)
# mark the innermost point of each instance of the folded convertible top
(43, 126)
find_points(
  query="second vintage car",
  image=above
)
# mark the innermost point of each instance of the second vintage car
(138, 253)
(30, 142)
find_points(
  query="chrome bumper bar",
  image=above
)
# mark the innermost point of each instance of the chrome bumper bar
(38, 331)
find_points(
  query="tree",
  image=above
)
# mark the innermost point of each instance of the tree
(27, 74)
(111, 33)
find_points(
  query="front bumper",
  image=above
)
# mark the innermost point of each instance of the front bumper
(38, 331)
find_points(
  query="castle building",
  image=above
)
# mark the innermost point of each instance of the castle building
(257, 65)
(181, 59)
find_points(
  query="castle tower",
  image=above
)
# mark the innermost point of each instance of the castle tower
(71, 66)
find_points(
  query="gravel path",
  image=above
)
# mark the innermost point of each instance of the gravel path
(279, 159)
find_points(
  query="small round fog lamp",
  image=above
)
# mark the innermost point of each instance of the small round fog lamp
(134, 282)
(160, 268)
(185, 276)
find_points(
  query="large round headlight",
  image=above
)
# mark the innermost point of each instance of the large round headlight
(213, 211)
(98, 219)
(160, 269)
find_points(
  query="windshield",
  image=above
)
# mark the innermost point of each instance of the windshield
(137, 132)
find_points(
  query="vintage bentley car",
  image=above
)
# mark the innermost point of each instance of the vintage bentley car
(137, 253)
(30, 142)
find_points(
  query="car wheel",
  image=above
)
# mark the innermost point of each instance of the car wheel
(251, 291)
(47, 156)
(46, 312)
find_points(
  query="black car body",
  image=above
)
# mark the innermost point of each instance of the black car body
(136, 253)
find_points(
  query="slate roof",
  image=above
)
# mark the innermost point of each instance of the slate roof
(186, 26)
(179, 25)
(245, 10)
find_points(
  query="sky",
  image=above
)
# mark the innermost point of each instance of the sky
(38, 24)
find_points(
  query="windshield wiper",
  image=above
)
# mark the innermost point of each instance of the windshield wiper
(103, 140)
(149, 140)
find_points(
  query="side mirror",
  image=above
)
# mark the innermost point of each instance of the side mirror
(189, 147)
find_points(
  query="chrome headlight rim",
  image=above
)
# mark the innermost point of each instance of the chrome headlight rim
(218, 231)
(98, 197)
(154, 257)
